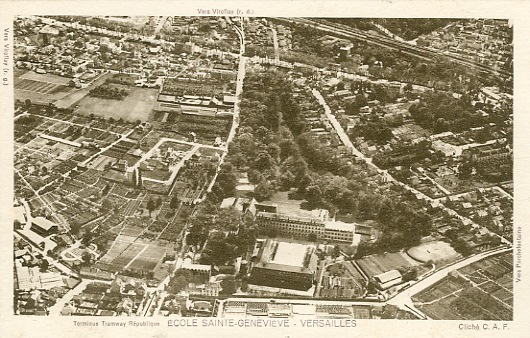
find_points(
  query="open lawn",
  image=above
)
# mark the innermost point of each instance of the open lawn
(79, 94)
(136, 106)
(157, 174)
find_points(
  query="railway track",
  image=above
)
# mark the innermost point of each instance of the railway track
(421, 52)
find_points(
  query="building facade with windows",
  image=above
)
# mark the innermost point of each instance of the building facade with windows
(316, 222)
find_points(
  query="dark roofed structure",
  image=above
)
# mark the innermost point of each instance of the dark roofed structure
(283, 264)
(43, 226)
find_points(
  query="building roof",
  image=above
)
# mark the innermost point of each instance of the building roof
(290, 254)
(21, 252)
(49, 30)
(43, 223)
(363, 229)
(37, 239)
(245, 187)
(356, 239)
(388, 276)
(229, 99)
(166, 98)
(20, 214)
(88, 272)
(293, 213)
(287, 256)
(389, 284)
(228, 202)
(196, 267)
(281, 267)
(340, 226)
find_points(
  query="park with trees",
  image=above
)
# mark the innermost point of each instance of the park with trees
(274, 148)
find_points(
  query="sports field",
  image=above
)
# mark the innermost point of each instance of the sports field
(149, 259)
(376, 264)
(435, 251)
(128, 251)
(122, 252)
(136, 106)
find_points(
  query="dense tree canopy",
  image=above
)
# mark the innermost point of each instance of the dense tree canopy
(274, 148)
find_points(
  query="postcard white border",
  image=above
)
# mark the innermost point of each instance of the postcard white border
(29, 326)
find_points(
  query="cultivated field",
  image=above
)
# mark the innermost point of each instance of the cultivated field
(351, 279)
(480, 291)
(135, 254)
(136, 106)
(41, 88)
(49, 78)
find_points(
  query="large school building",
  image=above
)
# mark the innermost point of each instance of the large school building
(284, 264)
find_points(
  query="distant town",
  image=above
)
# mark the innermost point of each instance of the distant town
(244, 167)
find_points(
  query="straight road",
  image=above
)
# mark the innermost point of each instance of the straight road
(55, 310)
(149, 153)
(436, 184)
(276, 47)
(241, 72)
(102, 150)
(58, 217)
(486, 188)
(175, 169)
(63, 268)
(161, 21)
(344, 138)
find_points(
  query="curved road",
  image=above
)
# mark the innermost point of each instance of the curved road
(346, 141)
(403, 300)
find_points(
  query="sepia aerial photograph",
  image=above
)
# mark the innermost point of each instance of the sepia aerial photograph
(262, 169)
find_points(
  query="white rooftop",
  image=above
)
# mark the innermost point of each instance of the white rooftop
(190, 266)
(228, 202)
(339, 225)
(20, 214)
(229, 99)
(43, 223)
(291, 254)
